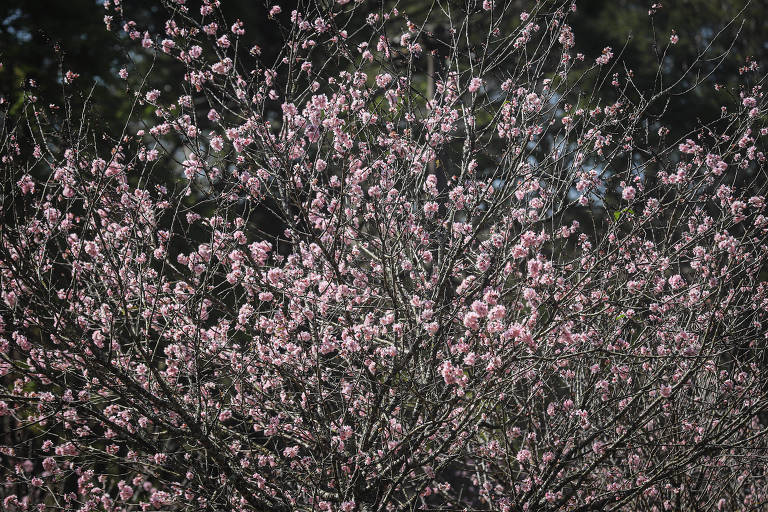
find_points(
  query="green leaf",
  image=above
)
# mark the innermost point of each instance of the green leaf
(618, 214)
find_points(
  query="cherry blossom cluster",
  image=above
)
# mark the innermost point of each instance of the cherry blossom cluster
(384, 273)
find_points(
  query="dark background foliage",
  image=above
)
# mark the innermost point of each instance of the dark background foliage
(41, 39)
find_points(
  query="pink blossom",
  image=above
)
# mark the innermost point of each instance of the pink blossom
(126, 491)
(605, 57)
(49, 464)
(475, 84)
(26, 184)
(222, 67)
(291, 451)
(471, 321)
(70, 77)
(480, 308)
(383, 80)
(676, 282)
(217, 143)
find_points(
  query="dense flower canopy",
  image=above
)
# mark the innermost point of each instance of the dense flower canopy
(412, 263)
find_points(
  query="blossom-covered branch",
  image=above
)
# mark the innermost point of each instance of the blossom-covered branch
(458, 267)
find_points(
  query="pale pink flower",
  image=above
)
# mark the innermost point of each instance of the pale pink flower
(605, 57)
(475, 84)
(676, 282)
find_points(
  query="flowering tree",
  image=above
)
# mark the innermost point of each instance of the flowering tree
(460, 267)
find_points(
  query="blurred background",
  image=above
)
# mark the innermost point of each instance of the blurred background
(41, 39)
